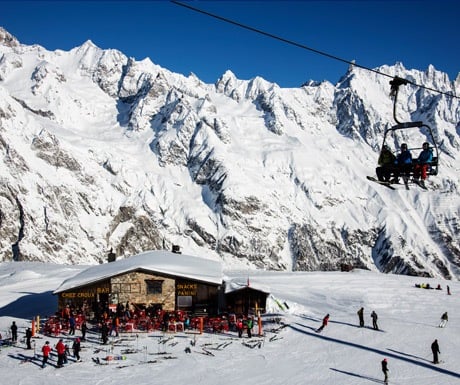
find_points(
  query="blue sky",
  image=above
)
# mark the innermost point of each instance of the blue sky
(416, 33)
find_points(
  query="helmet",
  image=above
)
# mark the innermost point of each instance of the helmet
(426, 145)
(47, 342)
(404, 145)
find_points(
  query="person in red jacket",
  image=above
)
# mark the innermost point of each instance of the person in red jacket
(46, 350)
(385, 370)
(325, 321)
(239, 327)
(60, 349)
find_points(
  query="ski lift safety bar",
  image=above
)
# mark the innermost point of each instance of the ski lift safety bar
(407, 125)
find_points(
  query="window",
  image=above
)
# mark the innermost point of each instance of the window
(125, 288)
(154, 286)
(184, 301)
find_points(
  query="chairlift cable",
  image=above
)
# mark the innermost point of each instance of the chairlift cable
(291, 42)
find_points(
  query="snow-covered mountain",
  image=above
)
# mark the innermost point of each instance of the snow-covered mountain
(99, 152)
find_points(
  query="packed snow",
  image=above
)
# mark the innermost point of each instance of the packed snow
(288, 351)
(161, 261)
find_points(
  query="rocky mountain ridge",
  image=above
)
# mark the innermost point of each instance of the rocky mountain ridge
(99, 152)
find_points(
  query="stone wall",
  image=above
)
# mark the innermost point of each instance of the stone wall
(132, 287)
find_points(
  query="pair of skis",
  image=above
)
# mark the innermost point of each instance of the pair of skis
(388, 184)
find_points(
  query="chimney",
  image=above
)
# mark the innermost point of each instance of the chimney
(176, 249)
(111, 257)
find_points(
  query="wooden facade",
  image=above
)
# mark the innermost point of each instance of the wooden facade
(246, 300)
(85, 295)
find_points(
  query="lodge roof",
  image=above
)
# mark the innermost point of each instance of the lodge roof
(237, 284)
(155, 261)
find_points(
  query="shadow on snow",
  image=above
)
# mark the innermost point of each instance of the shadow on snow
(358, 375)
(31, 305)
(406, 357)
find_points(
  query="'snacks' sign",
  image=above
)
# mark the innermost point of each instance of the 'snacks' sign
(183, 289)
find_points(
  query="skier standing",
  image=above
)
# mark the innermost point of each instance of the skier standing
(249, 325)
(46, 350)
(14, 332)
(435, 350)
(76, 349)
(28, 337)
(374, 320)
(83, 329)
(104, 333)
(239, 327)
(385, 370)
(72, 324)
(361, 317)
(60, 348)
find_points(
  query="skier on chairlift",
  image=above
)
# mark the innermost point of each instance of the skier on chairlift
(422, 164)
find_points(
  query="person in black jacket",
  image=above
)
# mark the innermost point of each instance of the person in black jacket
(14, 332)
(435, 350)
(374, 320)
(104, 333)
(444, 319)
(28, 337)
(385, 370)
(403, 164)
(361, 317)
(76, 349)
(83, 328)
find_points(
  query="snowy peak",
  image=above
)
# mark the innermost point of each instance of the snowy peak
(7, 39)
(101, 152)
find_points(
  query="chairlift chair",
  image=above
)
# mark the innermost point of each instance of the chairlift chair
(433, 169)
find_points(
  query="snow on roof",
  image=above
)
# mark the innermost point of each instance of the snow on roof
(158, 261)
(235, 284)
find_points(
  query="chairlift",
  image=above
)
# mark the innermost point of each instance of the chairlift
(389, 132)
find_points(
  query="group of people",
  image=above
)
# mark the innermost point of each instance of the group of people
(62, 351)
(374, 317)
(403, 164)
(434, 349)
(245, 323)
(14, 335)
